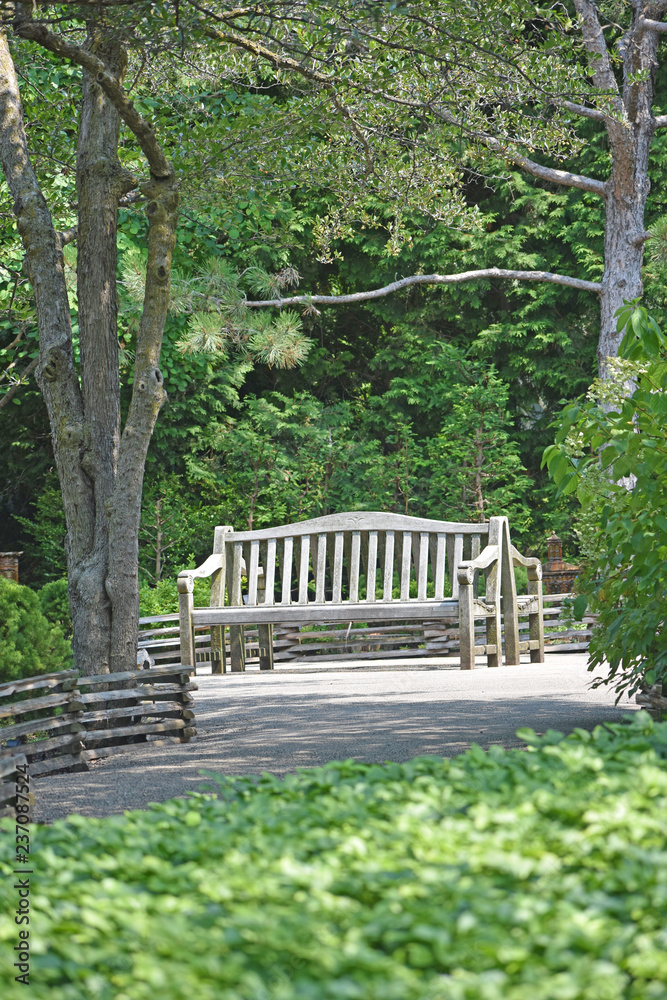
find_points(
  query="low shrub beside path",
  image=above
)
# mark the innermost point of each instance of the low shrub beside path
(537, 874)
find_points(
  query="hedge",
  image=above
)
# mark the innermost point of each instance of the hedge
(521, 874)
(29, 642)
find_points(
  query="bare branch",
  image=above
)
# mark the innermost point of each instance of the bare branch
(648, 25)
(431, 279)
(582, 110)
(552, 174)
(660, 121)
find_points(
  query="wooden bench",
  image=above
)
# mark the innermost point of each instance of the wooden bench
(364, 566)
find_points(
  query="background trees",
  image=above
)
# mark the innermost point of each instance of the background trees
(337, 166)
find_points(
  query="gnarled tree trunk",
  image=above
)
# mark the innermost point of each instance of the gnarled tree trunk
(100, 469)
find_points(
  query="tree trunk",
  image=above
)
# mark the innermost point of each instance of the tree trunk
(628, 189)
(148, 395)
(101, 180)
(100, 471)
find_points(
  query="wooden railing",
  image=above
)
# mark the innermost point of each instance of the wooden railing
(64, 721)
(302, 643)
(9, 775)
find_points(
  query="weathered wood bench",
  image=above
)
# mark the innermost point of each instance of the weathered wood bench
(364, 566)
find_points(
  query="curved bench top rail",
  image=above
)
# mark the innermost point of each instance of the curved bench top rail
(359, 520)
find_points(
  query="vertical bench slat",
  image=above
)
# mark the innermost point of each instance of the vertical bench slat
(388, 566)
(235, 582)
(320, 567)
(371, 571)
(287, 570)
(270, 571)
(475, 549)
(405, 565)
(455, 556)
(338, 568)
(439, 573)
(252, 572)
(303, 569)
(353, 567)
(422, 569)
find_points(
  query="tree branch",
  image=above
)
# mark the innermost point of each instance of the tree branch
(159, 166)
(660, 121)
(582, 110)
(551, 174)
(596, 46)
(563, 177)
(14, 388)
(431, 279)
(648, 25)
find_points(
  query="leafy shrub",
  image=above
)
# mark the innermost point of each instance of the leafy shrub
(504, 875)
(612, 449)
(45, 531)
(54, 602)
(163, 599)
(29, 643)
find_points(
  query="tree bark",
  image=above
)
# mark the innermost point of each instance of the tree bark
(148, 395)
(100, 470)
(630, 138)
(55, 374)
(101, 181)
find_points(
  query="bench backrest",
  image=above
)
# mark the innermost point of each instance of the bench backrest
(356, 556)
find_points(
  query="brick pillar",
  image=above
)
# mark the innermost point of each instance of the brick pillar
(9, 565)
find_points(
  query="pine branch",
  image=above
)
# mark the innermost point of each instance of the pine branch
(431, 279)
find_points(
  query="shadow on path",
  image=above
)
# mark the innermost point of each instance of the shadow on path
(277, 723)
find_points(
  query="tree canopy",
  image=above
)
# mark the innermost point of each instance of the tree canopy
(341, 149)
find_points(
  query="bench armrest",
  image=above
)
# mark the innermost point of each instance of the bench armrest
(186, 579)
(466, 570)
(531, 563)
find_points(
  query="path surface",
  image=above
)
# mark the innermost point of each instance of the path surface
(248, 723)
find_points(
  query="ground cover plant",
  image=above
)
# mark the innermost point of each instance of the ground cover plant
(514, 874)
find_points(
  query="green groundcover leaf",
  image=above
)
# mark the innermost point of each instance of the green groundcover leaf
(525, 874)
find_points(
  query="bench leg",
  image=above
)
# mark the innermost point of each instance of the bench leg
(265, 647)
(218, 657)
(536, 633)
(236, 648)
(493, 638)
(466, 627)
(536, 620)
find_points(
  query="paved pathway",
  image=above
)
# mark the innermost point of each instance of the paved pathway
(279, 721)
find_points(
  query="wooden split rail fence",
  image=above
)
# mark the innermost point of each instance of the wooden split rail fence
(64, 721)
(301, 644)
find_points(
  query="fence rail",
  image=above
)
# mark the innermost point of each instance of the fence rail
(64, 721)
(298, 644)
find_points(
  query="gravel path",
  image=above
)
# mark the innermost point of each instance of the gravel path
(248, 723)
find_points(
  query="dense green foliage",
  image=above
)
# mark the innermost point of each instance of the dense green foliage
(507, 875)
(612, 449)
(54, 602)
(29, 642)
(390, 379)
